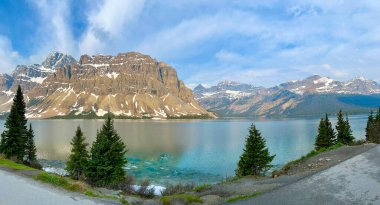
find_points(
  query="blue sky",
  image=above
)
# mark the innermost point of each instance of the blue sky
(259, 42)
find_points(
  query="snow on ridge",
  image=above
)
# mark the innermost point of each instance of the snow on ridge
(324, 80)
(38, 80)
(112, 75)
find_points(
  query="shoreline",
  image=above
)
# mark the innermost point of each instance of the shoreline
(234, 189)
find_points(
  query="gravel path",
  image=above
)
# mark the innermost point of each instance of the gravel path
(16, 190)
(355, 181)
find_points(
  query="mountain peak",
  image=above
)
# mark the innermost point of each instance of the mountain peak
(199, 87)
(360, 78)
(228, 83)
(57, 59)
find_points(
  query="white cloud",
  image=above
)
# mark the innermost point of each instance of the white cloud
(107, 23)
(55, 31)
(8, 57)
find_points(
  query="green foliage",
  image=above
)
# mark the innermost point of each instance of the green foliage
(202, 187)
(107, 159)
(14, 136)
(14, 165)
(310, 155)
(202, 116)
(30, 148)
(373, 128)
(57, 181)
(78, 158)
(344, 132)
(242, 197)
(188, 198)
(255, 159)
(326, 135)
(177, 189)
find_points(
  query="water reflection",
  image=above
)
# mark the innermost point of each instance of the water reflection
(193, 150)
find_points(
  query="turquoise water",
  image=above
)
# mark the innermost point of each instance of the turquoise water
(200, 151)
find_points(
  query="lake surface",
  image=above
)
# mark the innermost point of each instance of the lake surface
(200, 151)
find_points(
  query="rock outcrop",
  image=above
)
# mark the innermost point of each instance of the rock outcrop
(126, 85)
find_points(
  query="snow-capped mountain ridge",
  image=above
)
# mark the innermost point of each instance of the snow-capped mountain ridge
(127, 85)
(291, 97)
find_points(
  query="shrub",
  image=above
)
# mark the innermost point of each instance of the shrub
(177, 189)
(187, 198)
(126, 185)
(144, 190)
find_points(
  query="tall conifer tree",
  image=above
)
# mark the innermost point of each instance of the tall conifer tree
(30, 148)
(340, 127)
(347, 133)
(326, 135)
(14, 136)
(78, 158)
(255, 159)
(107, 160)
(370, 127)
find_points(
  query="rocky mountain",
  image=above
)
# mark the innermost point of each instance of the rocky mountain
(130, 85)
(313, 95)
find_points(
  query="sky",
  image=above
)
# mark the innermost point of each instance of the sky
(263, 43)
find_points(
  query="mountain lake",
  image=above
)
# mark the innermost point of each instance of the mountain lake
(187, 151)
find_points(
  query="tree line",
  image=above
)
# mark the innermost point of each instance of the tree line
(17, 141)
(103, 165)
(256, 159)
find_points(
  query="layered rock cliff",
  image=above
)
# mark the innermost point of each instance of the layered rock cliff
(126, 85)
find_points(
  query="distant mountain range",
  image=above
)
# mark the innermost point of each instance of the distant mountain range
(314, 95)
(129, 85)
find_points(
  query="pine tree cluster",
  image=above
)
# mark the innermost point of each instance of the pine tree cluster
(373, 128)
(104, 165)
(255, 159)
(17, 142)
(344, 132)
(327, 136)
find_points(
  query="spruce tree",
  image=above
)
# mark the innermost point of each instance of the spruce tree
(340, 127)
(107, 160)
(347, 133)
(255, 159)
(30, 148)
(344, 132)
(14, 136)
(78, 158)
(326, 134)
(370, 127)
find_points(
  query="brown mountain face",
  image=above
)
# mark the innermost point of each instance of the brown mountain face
(127, 85)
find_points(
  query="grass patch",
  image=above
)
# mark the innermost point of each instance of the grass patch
(241, 197)
(14, 165)
(310, 155)
(186, 197)
(58, 181)
(202, 187)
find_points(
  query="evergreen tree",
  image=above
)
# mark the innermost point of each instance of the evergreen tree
(255, 159)
(326, 134)
(30, 148)
(14, 137)
(370, 127)
(347, 133)
(344, 132)
(340, 127)
(78, 158)
(107, 159)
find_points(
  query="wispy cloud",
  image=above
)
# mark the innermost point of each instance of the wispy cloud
(107, 22)
(259, 42)
(54, 30)
(8, 57)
